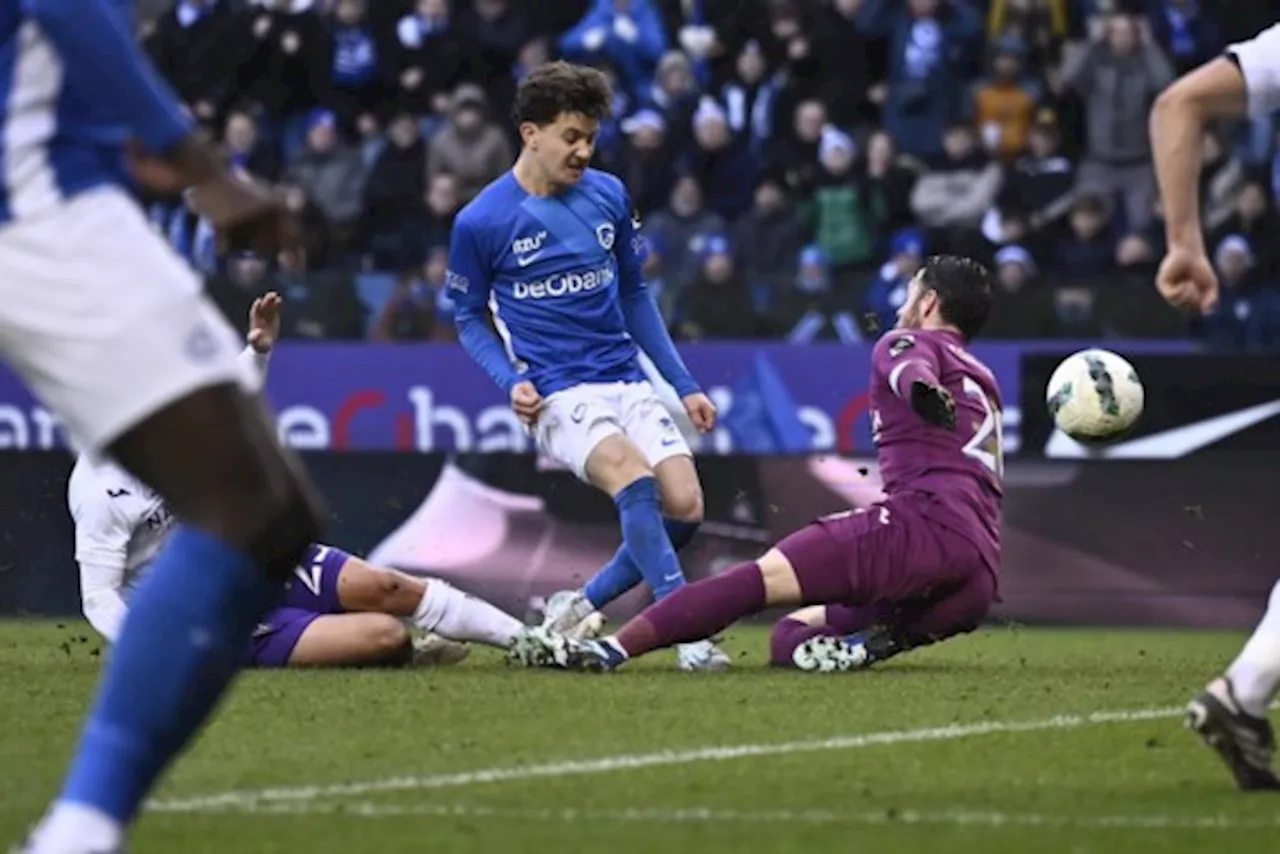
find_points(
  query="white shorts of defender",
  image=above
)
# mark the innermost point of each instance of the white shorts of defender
(575, 420)
(103, 320)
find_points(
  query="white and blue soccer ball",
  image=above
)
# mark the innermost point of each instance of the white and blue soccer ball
(1095, 396)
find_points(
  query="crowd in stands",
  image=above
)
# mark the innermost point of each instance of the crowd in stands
(793, 160)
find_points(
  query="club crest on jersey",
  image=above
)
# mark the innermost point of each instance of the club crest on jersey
(456, 281)
(201, 343)
(901, 344)
(605, 233)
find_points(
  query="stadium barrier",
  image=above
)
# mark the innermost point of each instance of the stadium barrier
(1185, 542)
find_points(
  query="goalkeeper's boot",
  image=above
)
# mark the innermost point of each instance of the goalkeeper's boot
(858, 651)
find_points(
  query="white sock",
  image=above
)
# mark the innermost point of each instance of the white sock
(76, 827)
(452, 614)
(1255, 674)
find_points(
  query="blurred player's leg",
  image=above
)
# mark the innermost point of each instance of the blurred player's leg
(1230, 714)
(117, 339)
(214, 458)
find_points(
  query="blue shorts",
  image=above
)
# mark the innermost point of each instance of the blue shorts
(311, 592)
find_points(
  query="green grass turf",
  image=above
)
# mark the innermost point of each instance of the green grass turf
(1098, 787)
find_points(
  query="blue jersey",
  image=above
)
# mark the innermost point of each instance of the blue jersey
(561, 276)
(73, 87)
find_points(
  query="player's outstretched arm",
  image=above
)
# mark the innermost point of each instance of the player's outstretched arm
(910, 367)
(264, 331)
(1177, 126)
(468, 284)
(102, 545)
(100, 598)
(1245, 80)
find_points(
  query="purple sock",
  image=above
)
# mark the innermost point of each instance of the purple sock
(789, 634)
(696, 611)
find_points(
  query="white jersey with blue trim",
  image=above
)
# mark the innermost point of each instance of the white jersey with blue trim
(1259, 61)
(554, 271)
(74, 87)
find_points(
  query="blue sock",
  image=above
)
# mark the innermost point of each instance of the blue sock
(186, 635)
(621, 573)
(645, 541)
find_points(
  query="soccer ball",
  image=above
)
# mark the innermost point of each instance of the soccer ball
(1094, 396)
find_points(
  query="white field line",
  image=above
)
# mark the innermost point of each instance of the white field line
(248, 798)
(710, 815)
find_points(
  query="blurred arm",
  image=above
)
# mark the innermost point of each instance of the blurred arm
(102, 537)
(93, 38)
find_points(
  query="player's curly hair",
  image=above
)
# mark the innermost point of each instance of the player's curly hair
(556, 88)
(964, 291)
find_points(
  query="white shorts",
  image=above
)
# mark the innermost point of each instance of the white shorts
(103, 320)
(575, 420)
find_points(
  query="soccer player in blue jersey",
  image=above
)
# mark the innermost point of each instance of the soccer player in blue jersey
(551, 249)
(109, 328)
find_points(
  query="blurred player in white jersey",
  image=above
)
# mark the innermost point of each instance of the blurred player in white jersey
(338, 610)
(109, 328)
(1230, 714)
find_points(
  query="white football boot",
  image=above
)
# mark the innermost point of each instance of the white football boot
(701, 655)
(569, 613)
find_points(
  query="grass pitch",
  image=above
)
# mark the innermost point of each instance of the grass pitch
(1009, 740)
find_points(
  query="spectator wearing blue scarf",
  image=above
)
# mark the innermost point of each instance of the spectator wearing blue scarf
(1188, 35)
(361, 74)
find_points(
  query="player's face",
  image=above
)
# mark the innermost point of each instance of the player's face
(920, 305)
(565, 147)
